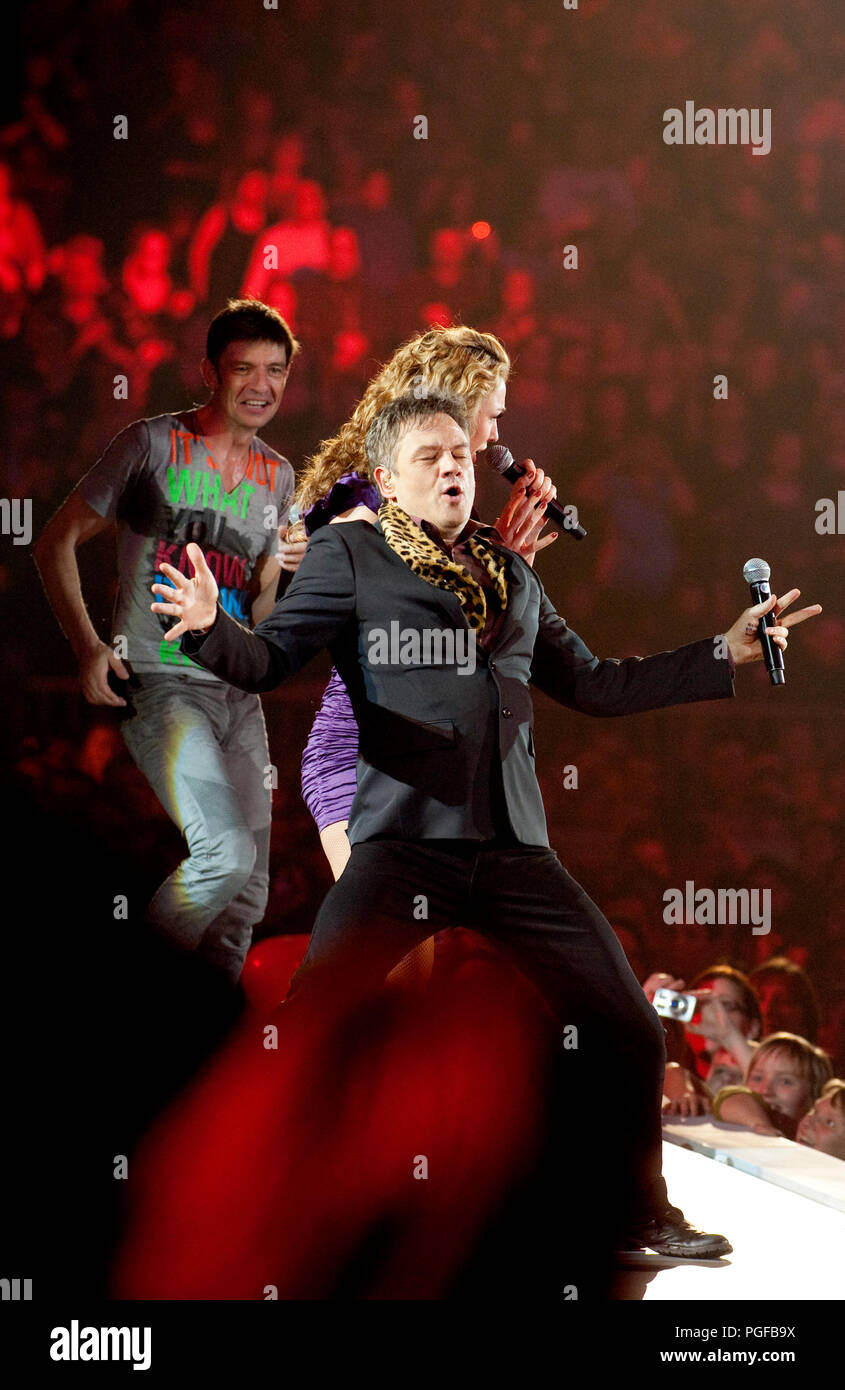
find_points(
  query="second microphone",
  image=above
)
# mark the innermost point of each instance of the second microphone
(502, 461)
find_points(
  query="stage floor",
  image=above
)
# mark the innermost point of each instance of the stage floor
(785, 1246)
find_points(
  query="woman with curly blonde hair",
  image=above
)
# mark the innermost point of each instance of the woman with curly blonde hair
(335, 487)
(456, 361)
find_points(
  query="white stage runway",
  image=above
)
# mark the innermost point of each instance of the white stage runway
(785, 1246)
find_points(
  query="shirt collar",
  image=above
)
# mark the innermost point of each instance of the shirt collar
(472, 528)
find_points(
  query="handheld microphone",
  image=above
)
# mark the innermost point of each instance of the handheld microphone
(757, 573)
(501, 460)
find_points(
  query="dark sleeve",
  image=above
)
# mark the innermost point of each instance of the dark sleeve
(317, 605)
(564, 668)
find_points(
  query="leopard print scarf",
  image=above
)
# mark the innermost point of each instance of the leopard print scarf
(425, 558)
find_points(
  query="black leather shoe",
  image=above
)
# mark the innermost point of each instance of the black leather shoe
(671, 1234)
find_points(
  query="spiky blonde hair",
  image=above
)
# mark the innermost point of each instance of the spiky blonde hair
(456, 361)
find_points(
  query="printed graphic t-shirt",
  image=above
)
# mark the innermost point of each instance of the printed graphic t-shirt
(158, 482)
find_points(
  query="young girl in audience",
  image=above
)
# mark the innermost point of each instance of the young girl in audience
(785, 1077)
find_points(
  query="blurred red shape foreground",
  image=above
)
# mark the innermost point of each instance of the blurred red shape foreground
(340, 1148)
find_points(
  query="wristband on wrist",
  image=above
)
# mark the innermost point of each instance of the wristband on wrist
(723, 1095)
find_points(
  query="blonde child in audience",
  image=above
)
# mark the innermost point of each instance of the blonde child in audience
(785, 1076)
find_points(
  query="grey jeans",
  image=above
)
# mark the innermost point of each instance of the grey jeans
(202, 747)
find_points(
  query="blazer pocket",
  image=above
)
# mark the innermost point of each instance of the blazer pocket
(397, 736)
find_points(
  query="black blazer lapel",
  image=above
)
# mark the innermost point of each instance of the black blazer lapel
(523, 585)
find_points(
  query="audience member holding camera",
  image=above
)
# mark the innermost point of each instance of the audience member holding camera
(719, 1034)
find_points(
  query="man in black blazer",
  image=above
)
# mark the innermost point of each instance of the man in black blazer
(438, 630)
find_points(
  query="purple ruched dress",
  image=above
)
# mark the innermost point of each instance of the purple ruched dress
(329, 761)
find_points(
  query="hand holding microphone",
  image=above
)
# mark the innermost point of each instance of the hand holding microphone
(757, 573)
(523, 517)
(501, 460)
(757, 633)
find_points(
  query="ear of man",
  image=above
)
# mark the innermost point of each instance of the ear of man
(210, 374)
(383, 479)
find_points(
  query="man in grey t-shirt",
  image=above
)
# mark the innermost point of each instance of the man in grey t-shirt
(204, 476)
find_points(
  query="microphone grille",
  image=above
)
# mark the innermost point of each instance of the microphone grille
(756, 571)
(499, 457)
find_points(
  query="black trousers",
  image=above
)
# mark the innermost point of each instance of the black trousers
(395, 893)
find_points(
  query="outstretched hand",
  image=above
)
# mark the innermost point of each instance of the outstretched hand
(744, 644)
(193, 602)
